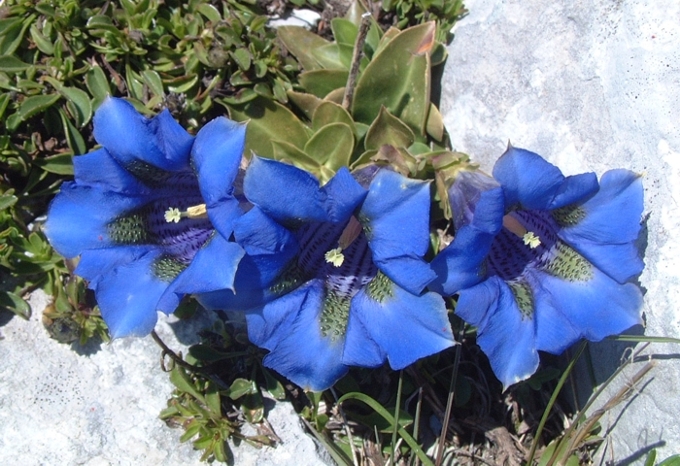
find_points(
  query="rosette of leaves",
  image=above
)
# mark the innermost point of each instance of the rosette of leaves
(391, 118)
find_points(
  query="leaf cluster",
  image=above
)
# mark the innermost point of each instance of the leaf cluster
(218, 391)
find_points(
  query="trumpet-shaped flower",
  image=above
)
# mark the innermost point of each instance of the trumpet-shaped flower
(541, 260)
(149, 212)
(333, 276)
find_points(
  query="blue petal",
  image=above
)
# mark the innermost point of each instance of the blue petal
(128, 295)
(343, 194)
(461, 264)
(606, 234)
(395, 216)
(70, 231)
(620, 261)
(596, 308)
(527, 179)
(216, 155)
(212, 268)
(98, 169)
(505, 336)
(290, 195)
(269, 249)
(95, 263)
(406, 327)
(360, 347)
(130, 137)
(613, 214)
(574, 189)
(289, 327)
(554, 331)
(259, 234)
(283, 191)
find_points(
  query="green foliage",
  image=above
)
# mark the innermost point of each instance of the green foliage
(410, 12)
(390, 119)
(218, 391)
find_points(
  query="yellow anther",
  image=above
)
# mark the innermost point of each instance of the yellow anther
(197, 211)
(531, 240)
(335, 257)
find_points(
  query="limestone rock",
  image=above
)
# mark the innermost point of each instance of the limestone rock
(590, 85)
(100, 406)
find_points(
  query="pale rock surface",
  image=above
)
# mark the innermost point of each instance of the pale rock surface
(100, 407)
(591, 86)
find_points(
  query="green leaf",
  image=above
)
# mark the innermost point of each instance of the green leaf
(301, 43)
(97, 84)
(79, 104)
(253, 407)
(241, 387)
(36, 104)
(42, 42)
(209, 12)
(388, 129)
(61, 164)
(242, 58)
(11, 302)
(322, 82)
(344, 31)
(269, 121)
(7, 199)
(11, 64)
(213, 400)
(332, 146)
(273, 386)
(398, 78)
(4, 101)
(183, 83)
(102, 22)
(329, 112)
(435, 123)
(305, 102)
(377, 407)
(286, 152)
(183, 382)
(153, 80)
(671, 461)
(73, 137)
(13, 30)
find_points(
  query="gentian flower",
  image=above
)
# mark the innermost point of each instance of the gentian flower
(333, 275)
(149, 212)
(541, 260)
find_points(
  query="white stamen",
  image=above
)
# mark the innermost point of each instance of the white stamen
(173, 215)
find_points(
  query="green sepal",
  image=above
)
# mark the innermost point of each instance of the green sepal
(388, 129)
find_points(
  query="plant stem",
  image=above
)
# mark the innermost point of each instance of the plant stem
(356, 61)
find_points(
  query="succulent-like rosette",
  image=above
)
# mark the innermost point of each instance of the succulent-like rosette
(541, 260)
(149, 213)
(333, 276)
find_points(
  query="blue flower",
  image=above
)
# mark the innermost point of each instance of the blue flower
(149, 212)
(333, 275)
(541, 260)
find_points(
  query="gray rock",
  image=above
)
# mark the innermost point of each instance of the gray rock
(590, 85)
(101, 407)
